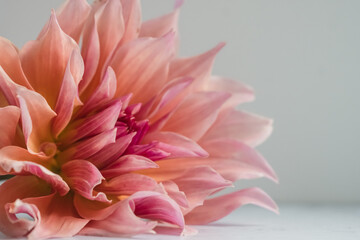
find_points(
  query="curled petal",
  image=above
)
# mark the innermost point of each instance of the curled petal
(72, 16)
(9, 121)
(248, 128)
(218, 207)
(127, 163)
(173, 191)
(8, 89)
(18, 161)
(44, 60)
(83, 177)
(197, 112)
(177, 145)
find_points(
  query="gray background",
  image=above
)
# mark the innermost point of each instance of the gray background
(303, 59)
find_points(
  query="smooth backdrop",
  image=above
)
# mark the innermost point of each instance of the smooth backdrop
(303, 59)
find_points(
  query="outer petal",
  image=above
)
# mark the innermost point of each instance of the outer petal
(196, 114)
(72, 16)
(18, 161)
(26, 186)
(44, 61)
(83, 177)
(9, 121)
(142, 76)
(245, 127)
(10, 62)
(132, 19)
(216, 208)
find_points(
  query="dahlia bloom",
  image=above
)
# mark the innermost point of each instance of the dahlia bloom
(109, 133)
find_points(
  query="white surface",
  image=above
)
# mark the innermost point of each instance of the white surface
(303, 59)
(296, 222)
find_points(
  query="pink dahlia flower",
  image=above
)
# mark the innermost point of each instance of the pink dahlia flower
(117, 136)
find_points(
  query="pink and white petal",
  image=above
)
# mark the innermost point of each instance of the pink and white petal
(245, 127)
(132, 19)
(83, 177)
(198, 67)
(150, 71)
(26, 186)
(122, 222)
(177, 145)
(68, 96)
(126, 164)
(18, 161)
(9, 121)
(127, 184)
(10, 63)
(58, 217)
(72, 16)
(200, 182)
(44, 60)
(218, 207)
(36, 118)
(197, 113)
(240, 93)
(173, 191)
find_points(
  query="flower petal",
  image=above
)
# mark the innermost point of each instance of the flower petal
(127, 163)
(218, 207)
(197, 112)
(245, 127)
(10, 62)
(142, 76)
(72, 16)
(18, 161)
(132, 19)
(9, 121)
(44, 60)
(83, 177)
(177, 145)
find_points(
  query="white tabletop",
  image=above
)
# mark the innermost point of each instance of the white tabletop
(330, 222)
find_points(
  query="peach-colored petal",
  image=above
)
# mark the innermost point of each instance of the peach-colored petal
(127, 163)
(83, 177)
(218, 207)
(44, 61)
(203, 107)
(110, 29)
(200, 182)
(18, 161)
(240, 93)
(177, 145)
(26, 186)
(132, 19)
(10, 62)
(248, 128)
(173, 191)
(72, 16)
(68, 95)
(8, 89)
(122, 222)
(142, 76)
(127, 184)
(9, 121)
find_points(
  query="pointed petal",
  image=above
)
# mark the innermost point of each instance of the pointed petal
(240, 93)
(72, 16)
(68, 95)
(83, 177)
(132, 19)
(127, 163)
(177, 145)
(197, 112)
(9, 121)
(44, 61)
(10, 62)
(245, 127)
(142, 76)
(200, 182)
(18, 161)
(217, 208)
(26, 186)
(198, 67)
(122, 222)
